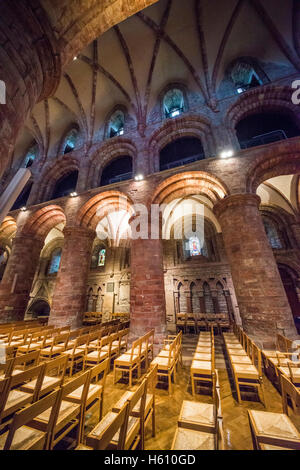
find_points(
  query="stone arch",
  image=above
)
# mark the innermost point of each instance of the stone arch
(52, 173)
(8, 230)
(185, 126)
(189, 183)
(268, 164)
(109, 151)
(40, 222)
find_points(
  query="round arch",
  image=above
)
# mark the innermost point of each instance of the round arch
(40, 222)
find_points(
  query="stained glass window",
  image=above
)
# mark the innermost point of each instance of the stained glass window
(244, 77)
(70, 141)
(194, 246)
(173, 103)
(116, 124)
(272, 234)
(101, 259)
(31, 156)
(55, 261)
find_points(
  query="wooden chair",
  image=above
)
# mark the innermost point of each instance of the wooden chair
(95, 393)
(134, 430)
(191, 322)
(201, 322)
(52, 377)
(65, 415)
(166, 365)
(273, 431)
(117, 425)
(202, 368)
(25, 361)
(20, 436)
(292, 393)
(36, 341)
(181, 322)
(58, 345)
(13, 399)
(99, 354)
(151, 382)
(76, 355)
(129, 361)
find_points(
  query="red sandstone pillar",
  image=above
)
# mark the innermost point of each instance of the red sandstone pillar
(17, 281)
(69, 296)
(147, 291)
(262, 301)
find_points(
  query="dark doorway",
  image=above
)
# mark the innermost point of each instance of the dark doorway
(265, 128)
(181, 152)
(40, 308)
(65, 185)
(289, 284)
(22, 199)
(116, 171)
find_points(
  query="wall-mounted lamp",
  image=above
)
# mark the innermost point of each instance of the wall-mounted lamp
(139, 177)
(73, 194)
(227, 154)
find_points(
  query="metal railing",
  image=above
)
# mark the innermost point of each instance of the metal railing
(263, 139)
(184, 161)
(119, 178)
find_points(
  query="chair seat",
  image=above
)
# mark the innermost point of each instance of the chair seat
(240, 359)
(71, 352)
(286, 372)
(75, 396)
(127, 396)
(187, 439)
(237, 352)
(125, 359)
(271, 447)
(246, 371)
(133, 425)
(32, 347)
(25, 438)
(202, 356)
(274, 361)
(83, 447)
(49, 383)
(67, 410)
(201, 367)
(234, 345)
(270, 353)
(277, 425)
(16, 399)
(95, 355)
(163, 362)
(195, 415)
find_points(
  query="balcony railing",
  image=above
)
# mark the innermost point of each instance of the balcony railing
(119, 178)
(184, 161)
(264, 139)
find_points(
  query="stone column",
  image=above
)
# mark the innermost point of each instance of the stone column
(17, 281)
(147, 293)
(29, 66)
(261, 297)
(69, 295)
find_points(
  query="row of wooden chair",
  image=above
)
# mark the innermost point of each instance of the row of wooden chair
(168, 359)
(202, 321)
(245, 362)
(42, 417)
(123, 428)
(132, 359)
(203, 363)
(276, 431)
(200, 425)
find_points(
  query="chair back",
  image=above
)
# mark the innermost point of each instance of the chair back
(26, 415)
(288, 390)
(27, 360)
(119, 423)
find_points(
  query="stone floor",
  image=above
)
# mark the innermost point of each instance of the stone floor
(235, 420)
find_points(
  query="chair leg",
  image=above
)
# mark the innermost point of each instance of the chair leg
(193, 385)
(238, 391)
(153, 421)
(263, 399)
(170, 382)
(130, 378)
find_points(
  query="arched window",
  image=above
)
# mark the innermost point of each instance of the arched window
(65, 185)
(98, 257)
(70, 141)
(118, 170)
(31, 155)
(194, 247)
(116, 124)
(173, 103)
(265, 128)
(3, 261)
(245, 74)
(272, 234)
(181, 152)
(55, 261)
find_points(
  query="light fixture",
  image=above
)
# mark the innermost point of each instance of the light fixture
(73, 194)
(175, 113)
(75, 57)
(139, 177)
(121, 132)
(240, 90)
(227, 154)
(23, 209)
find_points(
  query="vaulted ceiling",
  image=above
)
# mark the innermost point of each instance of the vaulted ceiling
(190, 41)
